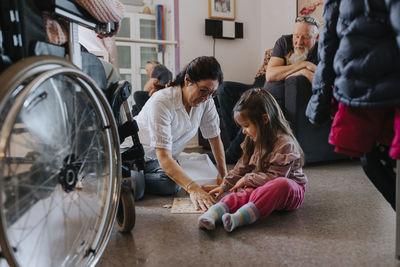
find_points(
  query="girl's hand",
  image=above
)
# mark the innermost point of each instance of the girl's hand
(239, 184)
(217, 192)
(200, 199)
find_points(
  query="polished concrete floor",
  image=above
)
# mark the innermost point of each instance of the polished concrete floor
(344, 221)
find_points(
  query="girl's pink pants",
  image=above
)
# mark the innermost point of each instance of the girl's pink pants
(278, 194)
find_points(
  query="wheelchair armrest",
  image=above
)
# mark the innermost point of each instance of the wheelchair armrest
(121, 89)
(129, 128)
(116, 94)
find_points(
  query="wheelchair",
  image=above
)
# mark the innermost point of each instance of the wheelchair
(63, 179)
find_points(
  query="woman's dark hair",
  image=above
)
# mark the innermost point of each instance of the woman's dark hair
(200, 68)
(251, 106)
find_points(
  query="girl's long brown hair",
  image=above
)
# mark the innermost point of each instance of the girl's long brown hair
(251, 106)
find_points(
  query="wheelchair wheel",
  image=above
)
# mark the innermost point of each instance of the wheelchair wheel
(126, 215)
(59, 165)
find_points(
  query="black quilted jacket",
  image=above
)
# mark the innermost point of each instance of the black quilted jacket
(359, 52)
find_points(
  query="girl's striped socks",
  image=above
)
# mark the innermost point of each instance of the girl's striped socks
(207, 220)
(247, 214)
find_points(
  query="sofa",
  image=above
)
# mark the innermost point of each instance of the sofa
(313, 139)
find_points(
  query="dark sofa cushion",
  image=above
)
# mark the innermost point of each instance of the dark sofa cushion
(313, 139)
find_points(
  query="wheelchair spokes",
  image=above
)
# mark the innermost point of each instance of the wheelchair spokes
(59, 171)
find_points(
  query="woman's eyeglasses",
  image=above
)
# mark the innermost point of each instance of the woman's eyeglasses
(212, 94)
(308, 19)
(207, 92)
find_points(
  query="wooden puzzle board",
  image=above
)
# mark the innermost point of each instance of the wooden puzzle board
(183, 205)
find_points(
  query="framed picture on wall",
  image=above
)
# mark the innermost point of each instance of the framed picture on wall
(221, 9)
(311, 7)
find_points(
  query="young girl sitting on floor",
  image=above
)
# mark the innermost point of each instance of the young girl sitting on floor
(270, 169)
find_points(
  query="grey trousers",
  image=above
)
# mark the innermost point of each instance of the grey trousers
(157, 181)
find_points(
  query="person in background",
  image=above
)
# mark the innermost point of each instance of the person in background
(293, 55)
(160, 76)
(269, 171)
(171, 118)
(149, 67)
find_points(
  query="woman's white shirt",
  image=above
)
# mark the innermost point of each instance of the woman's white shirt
(164, 123)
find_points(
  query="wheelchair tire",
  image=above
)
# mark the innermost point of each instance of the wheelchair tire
(126, 215)
(60, 169)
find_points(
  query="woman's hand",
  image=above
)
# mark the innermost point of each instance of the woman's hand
(239, 184)
(217, 192)
(200, 198)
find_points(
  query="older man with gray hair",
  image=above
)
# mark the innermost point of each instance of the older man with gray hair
(293, 55)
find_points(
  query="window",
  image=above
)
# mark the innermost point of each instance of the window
(137, 42)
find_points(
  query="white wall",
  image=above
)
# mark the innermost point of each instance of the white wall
(264, 21)
(277, 18)
(239, 58)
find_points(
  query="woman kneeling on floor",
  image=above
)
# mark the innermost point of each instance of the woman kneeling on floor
(171, 118)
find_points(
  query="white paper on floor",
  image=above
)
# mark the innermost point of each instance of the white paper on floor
(199, 168)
